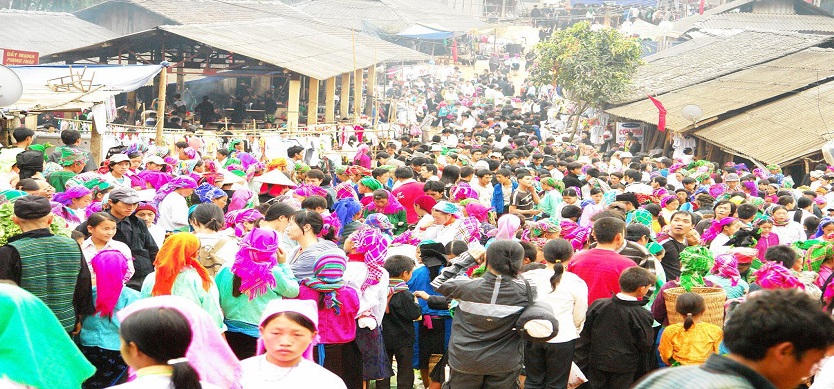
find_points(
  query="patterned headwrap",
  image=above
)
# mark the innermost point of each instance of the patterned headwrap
(726, 265)
(369, 241)
(391, 208)
(642, 216)
(553, 183)
(345, 190)
(328, 271)
(370, 183)
(546, 226)
(425, 202)
(363, 149)
(208, 192)
(508, 225)
(110, 268)
(716, 228)
(306, 190)
(235, 219)
(331, 223)
(234, 142)
(70, 156)
(345, 209)
(177, 253)
(301, 167)
(774, 275)
(254, 262)
(666, 199)
(177, 183)
(825, 222)
(276, 163)
(574, 233)
(246, 160)
(477, 210)
(380, 222)
(463, 191)
(240, 199)
(157, 179)
(72, 193)
(448, 208)
(816, 252)
(696, 262)
(470, 228)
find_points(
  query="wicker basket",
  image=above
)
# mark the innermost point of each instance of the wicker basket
(714, 299)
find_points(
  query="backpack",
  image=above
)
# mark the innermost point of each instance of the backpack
(209, 258)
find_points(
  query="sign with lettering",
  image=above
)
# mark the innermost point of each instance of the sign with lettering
(18, 57)
(623, 128)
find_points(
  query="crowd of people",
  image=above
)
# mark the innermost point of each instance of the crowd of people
(496, 254)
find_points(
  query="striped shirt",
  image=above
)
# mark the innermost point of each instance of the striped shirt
(718, 372)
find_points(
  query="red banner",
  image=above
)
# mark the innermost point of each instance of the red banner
(18, 57)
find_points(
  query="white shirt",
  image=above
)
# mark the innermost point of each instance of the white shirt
(717, 245)
(149, 378)
(260, 373)
(173, 212)
(484, 192)
(375, 297)
(569, 301)
(789, 234)
(88, 248)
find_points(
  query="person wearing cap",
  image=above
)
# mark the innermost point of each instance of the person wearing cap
(73, 162)
(118, 165)
(733, 183)
(288, 330)
(72, 140)
(121, 204)
(37, 256)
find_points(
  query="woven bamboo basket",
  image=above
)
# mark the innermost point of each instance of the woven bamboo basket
(714, 299)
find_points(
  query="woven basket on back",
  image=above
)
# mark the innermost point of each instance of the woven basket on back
(714, 299)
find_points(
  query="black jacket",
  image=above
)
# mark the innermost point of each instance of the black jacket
(617, 337)
(398, 322)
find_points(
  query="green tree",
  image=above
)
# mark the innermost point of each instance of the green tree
(593, 67)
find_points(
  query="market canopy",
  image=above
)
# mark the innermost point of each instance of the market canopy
(419, 31)
(77, 87)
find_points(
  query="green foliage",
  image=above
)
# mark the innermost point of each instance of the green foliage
(593, 67)
(8, 229)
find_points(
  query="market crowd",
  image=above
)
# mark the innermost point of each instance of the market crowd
(497, 254)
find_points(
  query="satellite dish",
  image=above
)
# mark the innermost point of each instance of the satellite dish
(828, 152)
(10, 87)
(692, 112)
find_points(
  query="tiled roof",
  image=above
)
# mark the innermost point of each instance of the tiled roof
(391, 16)
(208, 11)
(47, 32)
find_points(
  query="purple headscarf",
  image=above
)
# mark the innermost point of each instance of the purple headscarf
(391, 208)
(369, 241)
(156, 178)
(177, 183)
(65, 198)
(235, 219)
(254, 262)
(716, 228)
(240, 199)
(207, 192)
(380, 222)
(305, 190)
(726, 265)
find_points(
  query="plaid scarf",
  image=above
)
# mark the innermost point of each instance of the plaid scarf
(327, 278)
(369, 241)
(396, 285)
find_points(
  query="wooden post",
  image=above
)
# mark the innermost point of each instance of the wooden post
(95, 144)
(180, 78)
(293, 103)
(160, 106)
(357, 93)
(330, 100)
(371, 94)
(313, 102)
(344, 99)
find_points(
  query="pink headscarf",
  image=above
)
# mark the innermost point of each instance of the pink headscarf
(363, 149)
(177, 183)
(305, 190)
(477, 210)
(716, 228)
(240, 199)
(391, 208)
(369, 241)
(110, 268)
(235, 219)
(65, 198)
(726, 265)
(508, 226)
(773, 275)
(254, 262)
(208, 353)
(345, 190)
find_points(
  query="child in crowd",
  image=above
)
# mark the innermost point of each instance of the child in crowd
(398, 322)
(690, 342)
(148, 213)
(613, 347)
(102, 228)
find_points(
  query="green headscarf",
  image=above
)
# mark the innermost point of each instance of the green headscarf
(816, 252)
(696, 261)
(371, 183)
(36, 350)
(70, 156)
(643, 217)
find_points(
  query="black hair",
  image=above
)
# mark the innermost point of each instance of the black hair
(27, 185)
(307, 217)
(634, 278)
(432, 185)
(378, 172)
(595, 191)
(314, 202)
(76, 235)
(636, 231)
(781, 253)
(70, 137)
(607, 228)
(296, 317)
(162, 334)
(404, 172)
(223, 152)
(315, 173)
(504, 172)
(690, 305)
(633, 174)
(571, 211)
(804, 202)
(456, 247)
(100, 217)
(685, 213)
(21, 133)
(654, 209)
(208, 215)
(278, 209)
(450, 176)
(530, 251)
(785, 200)
(481, 173)
(569, 192)
(746, 211)
(557, 251)
(811, 223)
(771, 317)
(467, 171)
(293, 151)
(660, 180)
(181, 145)
(505, 257)
(396, 265)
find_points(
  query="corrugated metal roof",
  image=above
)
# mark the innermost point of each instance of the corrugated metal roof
(737, 90)
(762, 22)
(781, 131)
(208, 11)
(391, 16)
(47, 32)
(300, 46)
(710, 57)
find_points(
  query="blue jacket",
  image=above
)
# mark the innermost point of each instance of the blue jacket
(498, 197)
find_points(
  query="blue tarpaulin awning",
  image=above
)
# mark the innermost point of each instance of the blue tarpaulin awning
(419, 31)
